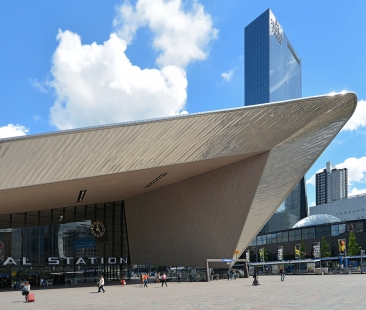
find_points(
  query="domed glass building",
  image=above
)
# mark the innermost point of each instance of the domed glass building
(316, 219)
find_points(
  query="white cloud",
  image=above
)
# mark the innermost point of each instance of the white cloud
(98, 84)
(42, 87)
(355, 191)
(179, 35)
(12, 131)
(227, 75)
(356, 169)
(358, 118)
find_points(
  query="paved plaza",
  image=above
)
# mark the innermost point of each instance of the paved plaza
(296, 292)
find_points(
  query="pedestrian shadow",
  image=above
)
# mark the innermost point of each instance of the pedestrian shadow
(93, 293)
(15, 302)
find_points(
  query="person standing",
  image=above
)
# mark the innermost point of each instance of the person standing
(255, 277)
(75, 281)
(163, 280)
(228, 275)
(101, 284)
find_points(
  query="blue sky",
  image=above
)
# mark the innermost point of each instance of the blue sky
(69, 64)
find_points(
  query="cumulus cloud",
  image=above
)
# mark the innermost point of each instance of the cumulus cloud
(98, 84)
(356, 170)
(358, 118)
(355, 191)
(227, 75)
(12, 130)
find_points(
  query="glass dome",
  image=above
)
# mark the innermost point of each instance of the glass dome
(316, 219)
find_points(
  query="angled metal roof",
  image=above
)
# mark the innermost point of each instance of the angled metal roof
(116, 162)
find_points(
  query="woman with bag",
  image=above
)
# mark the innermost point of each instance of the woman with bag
(26, 290)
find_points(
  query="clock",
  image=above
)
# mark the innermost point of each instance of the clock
(97, 229)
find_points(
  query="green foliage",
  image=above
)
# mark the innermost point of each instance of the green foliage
(324, 248)
(302, 249)
(353, 247)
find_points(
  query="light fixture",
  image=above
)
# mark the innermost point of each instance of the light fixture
(155, 180)
(81, 195)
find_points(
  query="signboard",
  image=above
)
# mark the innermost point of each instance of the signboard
(342, 247)
(280, 253)
(316, 250)
(247, 255)
(261, 254)
(310, 267)
(297, 251)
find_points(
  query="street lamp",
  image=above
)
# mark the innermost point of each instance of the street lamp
(362, 254)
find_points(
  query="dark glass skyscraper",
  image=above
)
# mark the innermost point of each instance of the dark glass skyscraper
(273, 73)
(272, 67)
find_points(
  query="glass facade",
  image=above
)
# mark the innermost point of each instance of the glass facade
(273, 73)
(59, 245)
(287, 239)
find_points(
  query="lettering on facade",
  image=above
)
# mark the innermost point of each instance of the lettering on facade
(276, 29)
(78, 261)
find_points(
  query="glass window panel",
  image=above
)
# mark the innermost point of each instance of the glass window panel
(69, 216)
(359, 226)
(291, 235)
(259, 240)
(279, 237)
(285, 236)
(18, 217)
(342, 228)
(312, 233)
(264, 239)
(45, 217)
(90, 213)
(4, 221)
(58, 216)
(32, 219)
(334, 230)
(273, 238)
(269, 239)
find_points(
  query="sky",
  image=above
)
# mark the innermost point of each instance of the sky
(71, 64)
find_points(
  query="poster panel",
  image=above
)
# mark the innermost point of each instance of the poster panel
(342, 247)
(297, 251)
(316, 250)
(280, 253)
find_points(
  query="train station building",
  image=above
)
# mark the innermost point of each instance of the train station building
(173, 191)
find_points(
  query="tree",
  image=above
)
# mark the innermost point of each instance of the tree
(353, 247)
(302, 249)
(324, 248)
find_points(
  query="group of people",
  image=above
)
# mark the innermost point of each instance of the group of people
(231, 274)
(255, 276)
(144, 279)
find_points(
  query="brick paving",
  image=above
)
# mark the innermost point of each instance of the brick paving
(296, 292)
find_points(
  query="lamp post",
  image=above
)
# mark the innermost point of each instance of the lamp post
(362, 254)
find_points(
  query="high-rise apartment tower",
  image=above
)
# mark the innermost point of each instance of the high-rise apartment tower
(331, 184)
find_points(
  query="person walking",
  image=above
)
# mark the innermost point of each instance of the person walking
(282, 273)
(179, 276)
(228, 275)
(26, 290)
(146, 279)
(75, 281)
(163, 280)
(101, 284)
(255, 277)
